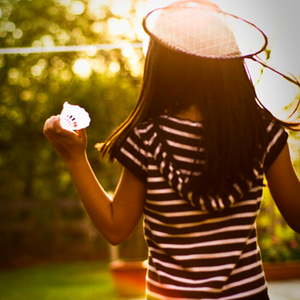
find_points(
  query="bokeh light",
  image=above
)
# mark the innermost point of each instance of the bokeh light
(77, 8)
(82, 68)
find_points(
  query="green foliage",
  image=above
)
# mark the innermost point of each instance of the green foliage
(71, 281)
(277, 241)
(34, 87)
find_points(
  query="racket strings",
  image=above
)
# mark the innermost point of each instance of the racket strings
(207, 35)
(204, 31)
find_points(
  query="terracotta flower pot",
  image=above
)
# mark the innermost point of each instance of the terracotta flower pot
(282, 270)
(129, 278)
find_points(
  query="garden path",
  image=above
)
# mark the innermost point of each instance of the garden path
(284, 290)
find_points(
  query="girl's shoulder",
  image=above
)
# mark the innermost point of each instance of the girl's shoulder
(168, 125)
(272, 127)
(171, 121)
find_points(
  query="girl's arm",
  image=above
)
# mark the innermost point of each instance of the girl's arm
(285, 188)
(116, 218)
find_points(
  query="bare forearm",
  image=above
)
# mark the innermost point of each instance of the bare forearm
(113, 219)
(95, 200)
(285, 188)
(288, 202)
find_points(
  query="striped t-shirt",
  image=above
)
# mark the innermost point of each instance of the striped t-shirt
(198, 248)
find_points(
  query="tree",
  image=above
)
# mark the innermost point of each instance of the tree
(34, 87)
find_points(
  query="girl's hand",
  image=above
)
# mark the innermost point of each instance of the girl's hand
(69, 145)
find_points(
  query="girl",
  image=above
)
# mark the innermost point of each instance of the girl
(194, 150)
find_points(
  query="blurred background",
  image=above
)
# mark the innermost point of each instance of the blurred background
(41, 218)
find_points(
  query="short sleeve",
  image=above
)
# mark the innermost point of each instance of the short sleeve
(133, 155)
(277, 138)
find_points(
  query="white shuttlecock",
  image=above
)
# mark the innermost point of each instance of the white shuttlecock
(74, 117)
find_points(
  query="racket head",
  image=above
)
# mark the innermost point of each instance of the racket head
(201, 28)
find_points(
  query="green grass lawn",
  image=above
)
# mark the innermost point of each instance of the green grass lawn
(76, 281)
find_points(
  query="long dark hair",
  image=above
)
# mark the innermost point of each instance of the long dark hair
(223, 93)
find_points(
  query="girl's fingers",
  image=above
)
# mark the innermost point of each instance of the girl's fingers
(69, 145)
(59, 129)
(53, 127)
(50, 124)
(81, 133)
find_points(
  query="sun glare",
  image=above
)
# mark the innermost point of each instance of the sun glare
(82, 68)
(121, 7)
(280, 23)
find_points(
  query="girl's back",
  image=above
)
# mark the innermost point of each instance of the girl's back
(199, 247)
